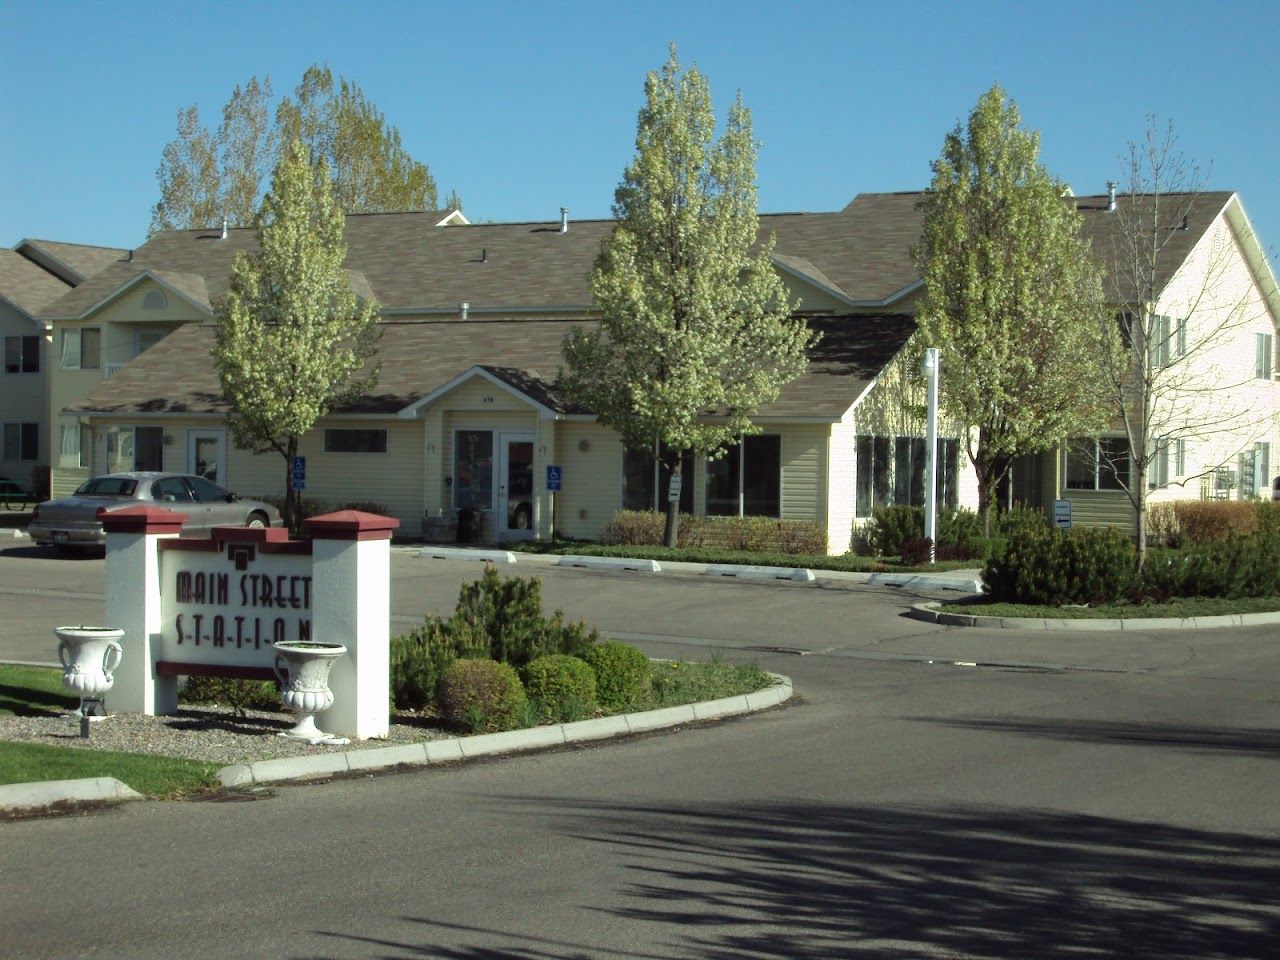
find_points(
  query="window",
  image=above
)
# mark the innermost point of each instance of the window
(747, 480)
(21, 441)
(207, 492)
(1168, 340)
(473, 469)
(1265, 347)
(82, 349)
(148, 448)
(646, 479)
(1158, 469)
(1262, 468)
(22, 354)
(74, 445)
(891, 470)
(355, 441)
(155, 300)
(1101, 464)
(171, 490)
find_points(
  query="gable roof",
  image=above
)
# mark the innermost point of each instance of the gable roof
(73, 262)
(25, 286)
(176, 376)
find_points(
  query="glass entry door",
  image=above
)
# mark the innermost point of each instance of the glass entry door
(515, 486)
(207, 455)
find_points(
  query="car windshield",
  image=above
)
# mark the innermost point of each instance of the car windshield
(107, 487)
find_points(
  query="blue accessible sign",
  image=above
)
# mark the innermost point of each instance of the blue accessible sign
(555, 475)
(298, 474)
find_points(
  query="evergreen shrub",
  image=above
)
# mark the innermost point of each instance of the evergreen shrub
(508, 611)
(1051, 568)
(562, 688)
(622, 675)
(647, 528)
(239, 695)
(420, 658)
(482, 696)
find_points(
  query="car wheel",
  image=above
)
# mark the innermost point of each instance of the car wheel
(523, 518)
(256, 521)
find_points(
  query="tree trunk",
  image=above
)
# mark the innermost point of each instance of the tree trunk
(673, 506)
(1140, 517)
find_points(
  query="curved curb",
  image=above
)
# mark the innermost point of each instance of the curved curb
(929, 612)
(45, 793)
(512, 741)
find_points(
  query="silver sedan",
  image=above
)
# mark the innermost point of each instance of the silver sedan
(72, 522)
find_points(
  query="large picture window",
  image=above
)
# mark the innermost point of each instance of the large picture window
(473, 469)
(1101, 464)
(646, 479)
(747, 480)
(22, 354)
(355, 441)
(891, 471)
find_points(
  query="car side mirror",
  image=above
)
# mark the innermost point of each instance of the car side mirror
(232, 498)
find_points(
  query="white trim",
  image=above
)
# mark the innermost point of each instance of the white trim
(454, 216)
(831, 291)
(220, 468)
(411, 411)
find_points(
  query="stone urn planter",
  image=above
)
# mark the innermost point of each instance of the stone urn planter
(89, 658)
(303, 668)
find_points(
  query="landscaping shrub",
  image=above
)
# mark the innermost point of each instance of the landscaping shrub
(1052, 568)
(891, 527)
(646, 528)
(508, 611)
(915, 551)
(239, 695)
(482, 696)
(1202, 521)
(562, 688)
(420, 658)
(310, 507)
(1231, 567)
(622, 675)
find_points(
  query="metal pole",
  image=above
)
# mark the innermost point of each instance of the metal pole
(932, 361)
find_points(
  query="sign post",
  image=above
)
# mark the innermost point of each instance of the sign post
(298, 473)
(555, 480)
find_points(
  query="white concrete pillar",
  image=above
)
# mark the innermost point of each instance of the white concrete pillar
(351, 605)
(133, 605)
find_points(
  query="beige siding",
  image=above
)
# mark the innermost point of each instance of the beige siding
(592, 491)
(22, 396)
(1099, 508)
(804, 470)
(129, 308)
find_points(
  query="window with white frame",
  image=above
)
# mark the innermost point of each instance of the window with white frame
(1264, 368)
(1254, 471)
(21, 441)
(82, 349)
(646, 479)
(891, 470)
(1168, 339)
(747, 480)
(74, 445)
(1169, 461)
(1098, 464)
(21, 354)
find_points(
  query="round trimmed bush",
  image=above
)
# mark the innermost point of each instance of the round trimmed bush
(562, 687)
(622, 675)
(482, 696)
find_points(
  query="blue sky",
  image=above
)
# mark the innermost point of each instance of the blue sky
(525, 107)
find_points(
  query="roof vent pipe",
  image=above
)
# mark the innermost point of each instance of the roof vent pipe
(1111, 196)
(224, 228)
(463, 309)
(484, 254)
(564, 219)
(131, 256)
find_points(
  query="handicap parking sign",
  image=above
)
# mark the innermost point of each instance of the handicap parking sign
(554, 476)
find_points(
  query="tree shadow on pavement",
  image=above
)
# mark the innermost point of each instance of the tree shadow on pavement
(791, 881)
(1254, 741)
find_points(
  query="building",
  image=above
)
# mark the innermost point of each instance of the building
(466, 412)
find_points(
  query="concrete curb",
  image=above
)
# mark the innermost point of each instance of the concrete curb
(463, 553)
(929, 612)
(929, 580)
(799, 574)
(491, 744)
(610, 563)
(33, 796)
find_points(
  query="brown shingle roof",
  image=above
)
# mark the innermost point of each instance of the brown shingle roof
(27, 286)
(79, 260)
(176, 376)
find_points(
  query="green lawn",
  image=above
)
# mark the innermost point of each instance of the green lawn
(38, 691)
(1193, 607)
(678, 682)
(846, 562)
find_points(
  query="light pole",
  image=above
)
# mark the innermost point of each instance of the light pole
(930, 364)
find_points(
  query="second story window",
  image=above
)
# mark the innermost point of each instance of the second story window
(1264, 368)
(82, 349)
(22, 354)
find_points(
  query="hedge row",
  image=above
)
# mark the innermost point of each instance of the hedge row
(641, 528)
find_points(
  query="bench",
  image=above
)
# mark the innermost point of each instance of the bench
(14, 497)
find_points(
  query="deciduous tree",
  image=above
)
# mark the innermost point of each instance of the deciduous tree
(696, 332)
(1012, 295)
(292, 340)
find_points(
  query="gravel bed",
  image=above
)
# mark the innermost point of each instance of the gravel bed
(210, 733)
